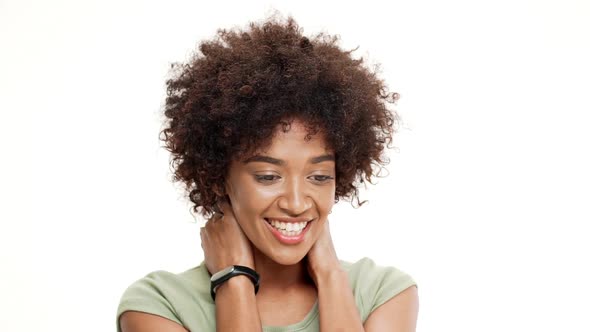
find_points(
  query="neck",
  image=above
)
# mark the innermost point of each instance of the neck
(280, 276)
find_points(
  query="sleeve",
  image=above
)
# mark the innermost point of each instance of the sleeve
(374, 285)
(147, 295)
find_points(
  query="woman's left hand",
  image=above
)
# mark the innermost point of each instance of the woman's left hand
(322, 259)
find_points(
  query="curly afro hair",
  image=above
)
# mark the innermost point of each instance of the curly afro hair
(228, 99)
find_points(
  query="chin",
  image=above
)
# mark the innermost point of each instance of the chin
(287, 258)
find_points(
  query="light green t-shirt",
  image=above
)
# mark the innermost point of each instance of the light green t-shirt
(185, 298)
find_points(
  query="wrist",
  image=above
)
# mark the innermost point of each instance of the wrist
(240, 284)
(232, 272)
(330, 276)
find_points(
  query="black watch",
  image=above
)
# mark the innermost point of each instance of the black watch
(231, 271)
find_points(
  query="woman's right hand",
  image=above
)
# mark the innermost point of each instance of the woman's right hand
(224, 243)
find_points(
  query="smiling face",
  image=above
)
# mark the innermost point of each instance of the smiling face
(282, 195)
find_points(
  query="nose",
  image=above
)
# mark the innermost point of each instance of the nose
(294, 199)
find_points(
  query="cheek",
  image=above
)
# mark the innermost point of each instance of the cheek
(326, 204)
(324, 199)
(248, 200)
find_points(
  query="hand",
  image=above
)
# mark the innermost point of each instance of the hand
(322, 259)
(224, 243)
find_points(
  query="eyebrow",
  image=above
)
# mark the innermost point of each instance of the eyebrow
(279, 162)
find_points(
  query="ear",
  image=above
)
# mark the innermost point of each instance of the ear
(222, 192)
(219, 190)
(227, 190)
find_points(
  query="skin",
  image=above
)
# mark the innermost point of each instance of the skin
(298, 181)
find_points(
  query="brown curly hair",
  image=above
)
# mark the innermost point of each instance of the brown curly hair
(227, 100)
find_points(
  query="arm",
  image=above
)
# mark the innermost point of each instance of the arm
(235, 306)
(135, 321)
(225, 244)
(338, 310)
(236, 310)
(235, 300)
(400, 313)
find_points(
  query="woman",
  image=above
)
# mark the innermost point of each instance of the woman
(267, 130)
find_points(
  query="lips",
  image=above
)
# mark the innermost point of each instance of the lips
(290, 220)
(289, 233)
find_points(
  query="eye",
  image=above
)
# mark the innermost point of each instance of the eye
(322, 178)
(266, 178)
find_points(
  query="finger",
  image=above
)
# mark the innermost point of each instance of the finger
(212, 220)
(225, 207)
(215, 216)
(203, 235)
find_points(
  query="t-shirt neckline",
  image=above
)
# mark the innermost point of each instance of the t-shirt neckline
(309, 318)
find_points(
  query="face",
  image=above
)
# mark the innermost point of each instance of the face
(282, 195)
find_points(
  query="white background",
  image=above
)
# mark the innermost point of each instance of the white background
(487, 200)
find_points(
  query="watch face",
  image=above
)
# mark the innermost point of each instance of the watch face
(221, 273)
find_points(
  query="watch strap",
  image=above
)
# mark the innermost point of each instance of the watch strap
(231, 271)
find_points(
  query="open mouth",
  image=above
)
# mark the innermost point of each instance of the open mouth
(289, 229)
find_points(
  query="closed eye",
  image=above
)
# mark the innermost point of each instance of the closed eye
(322, 178)
(266, 178)
(270, 178)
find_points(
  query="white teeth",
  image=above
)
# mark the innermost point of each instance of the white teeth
(287, 228)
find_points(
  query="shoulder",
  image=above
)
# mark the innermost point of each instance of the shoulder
(169, 295)
(373, 284)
